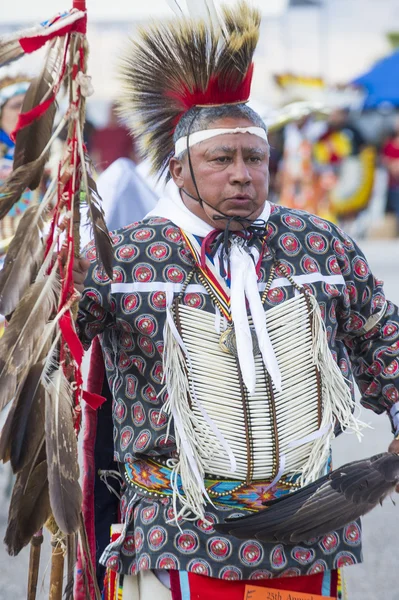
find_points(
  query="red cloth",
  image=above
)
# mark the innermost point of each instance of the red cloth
(209, 588)
(111, 143)
(391, 151)
(94, 385)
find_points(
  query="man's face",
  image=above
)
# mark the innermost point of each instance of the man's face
(10, 113)
(231, 172)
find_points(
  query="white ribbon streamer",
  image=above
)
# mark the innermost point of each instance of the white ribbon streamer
(244, 286)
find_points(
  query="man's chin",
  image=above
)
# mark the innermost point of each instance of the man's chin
(243, 211)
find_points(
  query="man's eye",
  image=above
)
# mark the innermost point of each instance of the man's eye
(255, 159)
(222, 159)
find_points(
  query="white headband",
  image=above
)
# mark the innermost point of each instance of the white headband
(12, 90)
(206, 134)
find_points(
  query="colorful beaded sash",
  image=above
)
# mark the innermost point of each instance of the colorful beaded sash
(152, 479)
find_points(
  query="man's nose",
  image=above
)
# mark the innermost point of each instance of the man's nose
(240, 173)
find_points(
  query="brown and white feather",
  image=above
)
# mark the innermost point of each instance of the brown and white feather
(62, 453)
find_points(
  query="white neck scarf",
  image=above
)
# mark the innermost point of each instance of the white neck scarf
(244, 286)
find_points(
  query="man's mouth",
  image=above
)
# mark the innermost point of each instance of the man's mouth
(240, 197)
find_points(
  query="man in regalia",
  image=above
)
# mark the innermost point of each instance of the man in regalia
(230, 334)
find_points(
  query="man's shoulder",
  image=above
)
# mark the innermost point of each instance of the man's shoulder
(298, 231)
(151, 239)
(148, 230)
(300, 220)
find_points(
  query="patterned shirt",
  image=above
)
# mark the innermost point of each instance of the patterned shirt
(129, 315)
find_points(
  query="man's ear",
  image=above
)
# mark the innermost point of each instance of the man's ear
(176, 171)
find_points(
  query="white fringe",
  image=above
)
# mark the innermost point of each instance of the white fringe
(337, 401)
(193, 451)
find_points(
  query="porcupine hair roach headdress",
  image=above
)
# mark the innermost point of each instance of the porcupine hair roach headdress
(172, 67)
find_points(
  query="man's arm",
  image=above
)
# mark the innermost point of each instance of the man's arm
(369, 328)
(94, 308)
(80, 270)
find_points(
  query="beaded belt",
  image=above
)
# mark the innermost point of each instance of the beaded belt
(151, 478)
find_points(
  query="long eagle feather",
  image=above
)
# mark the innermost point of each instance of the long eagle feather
(62, 454)
(23, 259)
(29, 506)
(23, 431)
(28, 322)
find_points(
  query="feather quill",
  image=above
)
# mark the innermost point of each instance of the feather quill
(23, 259)
(175, 6)
(204, 10)
(62, 454)
(71, 542)
(29, 506)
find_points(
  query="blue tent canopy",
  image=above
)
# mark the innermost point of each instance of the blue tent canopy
(381, 82)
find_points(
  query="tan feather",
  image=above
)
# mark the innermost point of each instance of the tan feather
(29, 506)
(23, 260)
(62, 454)
(32, 140)
(9, 51)
(28, 322)
(16, 184)
(27, 430)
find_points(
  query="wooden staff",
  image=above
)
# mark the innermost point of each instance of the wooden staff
(57, 556)
(34, 563)
(57, 569)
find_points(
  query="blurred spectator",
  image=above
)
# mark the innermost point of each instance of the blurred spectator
(339, 140)
(112, 142)
(12, 93)
(390, 157)
(345, 165)
(299, 186)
